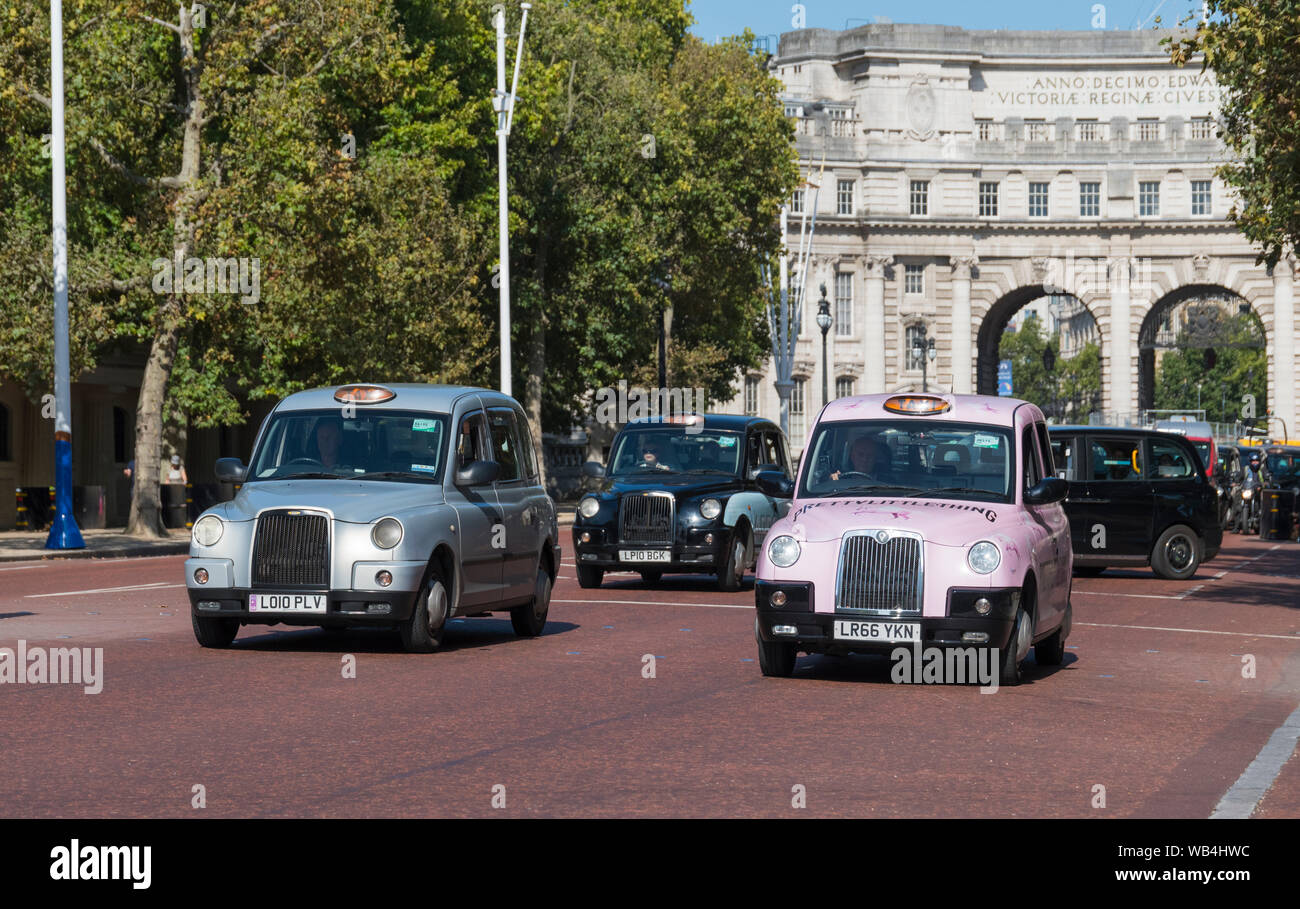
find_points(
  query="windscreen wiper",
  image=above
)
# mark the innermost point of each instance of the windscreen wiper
(392, 475)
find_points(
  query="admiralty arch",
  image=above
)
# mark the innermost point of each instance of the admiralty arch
(958, 175)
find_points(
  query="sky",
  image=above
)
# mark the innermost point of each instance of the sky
(716, 18)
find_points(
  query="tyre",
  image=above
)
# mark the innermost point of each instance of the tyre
(651, 577)
(530, 619)
(775, 658)
(1089, 571)
(1051, 651)
(732, 573)
(1177, 554)
(423, 631)
(214, 632)
(589, 578)
(1017, 648)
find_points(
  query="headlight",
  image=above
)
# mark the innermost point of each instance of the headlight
(589, 506)
(208, 530)
(710, 508)
(1247, 493)
(983, 557)
(387, 533)
(783, 551)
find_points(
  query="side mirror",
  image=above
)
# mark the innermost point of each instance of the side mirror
(1048, 491)
(477, 473)
(776, 484)
(230, 470)
(764, 468)
(593, 469)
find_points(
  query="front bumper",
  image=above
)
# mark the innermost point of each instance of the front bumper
(343, 608)
(815, 631)
(690, 552)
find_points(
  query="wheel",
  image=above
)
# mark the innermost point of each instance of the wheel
(1177, 554)
(214, 632)
(775, 658)
(732, 573)
(589, 578)
(1051, 651)
(651, 577)
(530, 619)
(423, 631)
(1017, 648)
(1089, 571)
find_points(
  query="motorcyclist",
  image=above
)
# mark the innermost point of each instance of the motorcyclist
(1248, 521)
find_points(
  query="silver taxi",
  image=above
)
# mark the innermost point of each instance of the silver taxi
(366, 505)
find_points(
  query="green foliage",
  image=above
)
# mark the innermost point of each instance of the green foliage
(1254, 50)
(1236, 372)
(1070, 391)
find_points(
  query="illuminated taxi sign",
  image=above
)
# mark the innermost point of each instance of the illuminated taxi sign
(686, 419)
(916, 404)
(364, 394)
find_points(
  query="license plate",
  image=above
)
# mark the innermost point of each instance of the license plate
(645, 555)
(854, 630)
(286, 602)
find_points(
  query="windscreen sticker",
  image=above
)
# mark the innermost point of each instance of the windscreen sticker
(986, 440)
(424, 425)
(428, 467)
(727, 442)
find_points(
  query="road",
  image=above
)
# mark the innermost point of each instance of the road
(1151, 704)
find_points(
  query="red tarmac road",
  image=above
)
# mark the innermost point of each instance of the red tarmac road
(1151, 704)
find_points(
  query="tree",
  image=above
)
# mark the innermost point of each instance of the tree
(1253, 48)
(1070, 391)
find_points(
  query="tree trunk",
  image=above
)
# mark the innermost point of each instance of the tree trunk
(535, 347)
(146, 499)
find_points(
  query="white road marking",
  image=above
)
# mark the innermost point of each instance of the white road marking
(158, 585)
(1242, 634)
(20, 568)
(1243, 797)
(94, 562)
(1139, 596)
(662, 603)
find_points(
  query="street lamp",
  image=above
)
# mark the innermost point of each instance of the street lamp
(824, 323)
(503, 103)
(923, 350)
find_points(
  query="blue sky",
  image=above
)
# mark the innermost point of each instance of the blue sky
(772, 17)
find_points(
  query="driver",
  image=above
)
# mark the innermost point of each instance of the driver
(650, 459)
(863, 460)
(329, 440)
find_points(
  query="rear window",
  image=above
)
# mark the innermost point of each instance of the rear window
(1116, 459)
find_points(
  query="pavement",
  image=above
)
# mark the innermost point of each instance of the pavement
(21, 545)
(647, 701)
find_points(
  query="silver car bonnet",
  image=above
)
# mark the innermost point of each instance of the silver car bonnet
(355, 501)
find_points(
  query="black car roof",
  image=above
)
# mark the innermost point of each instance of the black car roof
(1118, 430)
(733, 421)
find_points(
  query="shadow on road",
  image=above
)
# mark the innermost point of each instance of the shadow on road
(462, 634)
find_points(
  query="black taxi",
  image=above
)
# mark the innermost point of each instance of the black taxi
(1137, 497)
(680, 495)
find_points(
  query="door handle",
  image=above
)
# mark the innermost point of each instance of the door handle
(1099, 501)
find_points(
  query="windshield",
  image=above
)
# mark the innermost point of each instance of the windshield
(675, 449)
(904, 457)
(1283, 468)
(1202, 447)
(369, 445)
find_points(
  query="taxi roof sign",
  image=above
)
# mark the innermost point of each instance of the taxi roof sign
(917, 405)
(364, 394)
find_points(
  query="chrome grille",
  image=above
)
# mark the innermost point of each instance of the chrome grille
(880, 578)
(292, 550)
(646, 519)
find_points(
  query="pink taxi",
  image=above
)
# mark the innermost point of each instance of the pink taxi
(918, 520)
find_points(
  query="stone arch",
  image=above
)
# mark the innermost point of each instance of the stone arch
(1155, 313)
(994, 321)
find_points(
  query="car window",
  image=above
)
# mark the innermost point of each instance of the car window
(753, 451)
(1116, 459)
(368, 445)
(774, 452)
(505, 443)
(676, 448)
(1065, 457)
(470, 445)
(526, 449)
(1032, 471)
(1169, 461)
(1045, 448)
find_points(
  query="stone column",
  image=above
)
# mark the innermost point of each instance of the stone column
(961, 330)
(1284, 400)
(873, 328)
(1119, 371)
